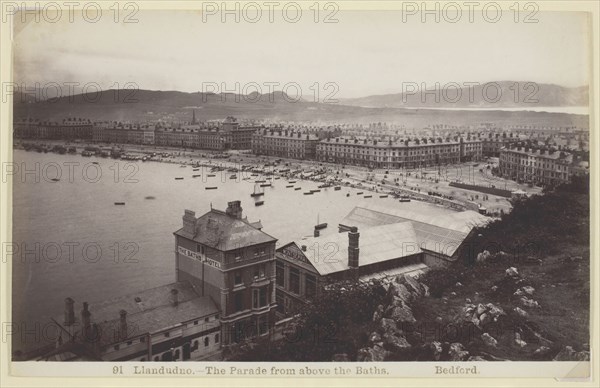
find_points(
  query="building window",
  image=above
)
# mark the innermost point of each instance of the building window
(237, 278)
(206, 340)
(195, 322)
(295, 280)
(259, 271)
(217, 338)
(129, 342)
(280, 305)
(280, 273)
(238, 301)
(206, 319)
(167, 334)
(143, 339)
(259, 297)
(310, 286)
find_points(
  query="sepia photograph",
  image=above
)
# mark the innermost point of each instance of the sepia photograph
(298, 189)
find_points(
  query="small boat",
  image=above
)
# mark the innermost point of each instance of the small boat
(257, 192)
(368, 196)
(383, 196)
(289, 186)
(320, 225)
(119, 203)
(337, 188)
(211, 188)
(259, 203)
(316, 191)
(308, 193)
(292, 182)
(359, 193)
(150, 197)
(298, 188)
(211, 175)
(196, 175)
(265, 185)
(178, 178)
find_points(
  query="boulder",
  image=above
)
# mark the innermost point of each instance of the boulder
(436, 348)
(480, 309)
(457, 352)
(375, 337)
(412, 284)
(525, 301)
(519, 341)
(458, 284)
(388, 325)
(468, 300)
(569, 354)
(522, 313)
(397, 343)
(485, 319)
(528, 290)
(489, 340)
(494, 288)
(483, 256)
(376, 353)
(378, 314)
(542, 351)
(403, 314)
(400, 291)
(512, 272)
(494, 311)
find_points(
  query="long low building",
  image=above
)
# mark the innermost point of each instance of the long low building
(390, 243)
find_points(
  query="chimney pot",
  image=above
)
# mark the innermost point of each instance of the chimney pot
(174, 297)
(69, 312)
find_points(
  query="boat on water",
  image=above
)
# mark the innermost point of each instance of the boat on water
(265, 185)
(383, 196)
(316, 190)
(150, 197)
(119, 203)
(298, 188)
(368, 196)
(257, 192)
(259, 203)
(291, 182)
(337, 188)
(211, 188)
(320, 225)
(211, 175)
(308, 193)
(289, 186)
(359, 193)
(178, 178)
(261, 181)
(196, 175)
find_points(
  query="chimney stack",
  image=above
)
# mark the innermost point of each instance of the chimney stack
(234, 209)
(189, 221)
(174, 297)
(353, 249)
(69, 312)
(123, 324)
(86, 322)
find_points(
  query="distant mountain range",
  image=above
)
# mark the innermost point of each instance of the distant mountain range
(144, 105)
(494, 95)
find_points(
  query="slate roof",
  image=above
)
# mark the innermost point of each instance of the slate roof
(329, 254)
(218, 230)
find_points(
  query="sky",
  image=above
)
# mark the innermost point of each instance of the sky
(363, 53)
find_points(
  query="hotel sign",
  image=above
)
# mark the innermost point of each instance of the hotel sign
(197, 256)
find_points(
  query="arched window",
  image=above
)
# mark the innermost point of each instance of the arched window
(205, 341)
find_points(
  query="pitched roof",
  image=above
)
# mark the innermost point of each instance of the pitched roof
(218, 230)
(149, 310)
(329, 254)
(437, 233)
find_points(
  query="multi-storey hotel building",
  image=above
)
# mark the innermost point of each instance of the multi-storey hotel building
(540, 166)
(285, 144)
